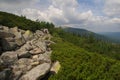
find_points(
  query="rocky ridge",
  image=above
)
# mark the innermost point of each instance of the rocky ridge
(24, 55)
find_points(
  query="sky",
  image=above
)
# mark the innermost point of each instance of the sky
(93, 15)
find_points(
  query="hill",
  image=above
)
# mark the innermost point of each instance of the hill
(115, 36)
(99, 36)
(12, 20)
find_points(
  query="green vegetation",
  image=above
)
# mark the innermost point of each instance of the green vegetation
(22, 22)
(78, 63)
(81, 57)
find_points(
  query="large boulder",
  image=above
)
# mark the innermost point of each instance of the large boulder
(6, 34)
(9, 58)
(55, 67)
(5, 74)
(23, 54)
(6, 45)
(19, 39)
(28, 35)
(45, 57)
(37, 72)
(36, 51)
(28, 46)
(21, 67)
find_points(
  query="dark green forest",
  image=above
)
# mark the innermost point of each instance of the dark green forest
(81, 57)
(22, 22)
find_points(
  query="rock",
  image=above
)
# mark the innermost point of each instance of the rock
(23, 54)
(45, 57)
(35, 63)
(5, 74)
(6, 45)
(36, 51)
(55, 67)
(39, 33)
(37, 72)
(21, 67)
(1, 27)
(19, 39)
(27, 46)
(23, 64)
(10, 39)
(28, 35)
(6, 34)
(46, 31)
(16, 75)
(14, 29)
(9, 58)
(41, 45)
(5, 29)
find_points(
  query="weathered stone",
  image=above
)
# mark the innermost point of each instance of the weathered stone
(37, 72)
(21, 67)
(10, 39)
(5, 74)
(16, 75)
(36, 51)
(1, 27)
(45, 57)
(28, 58)
(6, 46)
(39, 33)
(14, 29)
(46, 31)
(39, 44)
(55, 67)
(28, 35)
(23, 54)
(26, 46)
(5, 29)
(6, 34)
(9, 57)
(20, 40)
(35, 63)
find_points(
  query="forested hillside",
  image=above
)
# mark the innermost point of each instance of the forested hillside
(22, 22)
(81, 57)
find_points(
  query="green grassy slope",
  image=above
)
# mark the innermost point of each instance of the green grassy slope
(79, 64)
(11, 20)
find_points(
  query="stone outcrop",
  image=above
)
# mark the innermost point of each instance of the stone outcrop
(24, 55)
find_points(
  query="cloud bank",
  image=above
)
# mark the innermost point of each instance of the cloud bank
(73, 13)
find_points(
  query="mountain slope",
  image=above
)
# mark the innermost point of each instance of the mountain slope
(79, 64)
(11, 20)
(112, 35)
(83, 32)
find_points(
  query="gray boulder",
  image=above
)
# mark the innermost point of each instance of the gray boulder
(19, 39)
(6, 34)
(21, 67)
(36, 51)
(44, 57)
(6, 46)
(28, 35)
(37, 72)
(23, 54)
(5, 74)
(9, 58)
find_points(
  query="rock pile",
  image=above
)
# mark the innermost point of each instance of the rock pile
(24, 55)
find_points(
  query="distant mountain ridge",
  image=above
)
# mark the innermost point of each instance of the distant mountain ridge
(84, 32)
(114, 36)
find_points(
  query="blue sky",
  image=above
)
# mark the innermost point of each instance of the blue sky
(94, 15)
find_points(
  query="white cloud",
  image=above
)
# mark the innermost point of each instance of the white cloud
(67, 13)
(112, 8)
